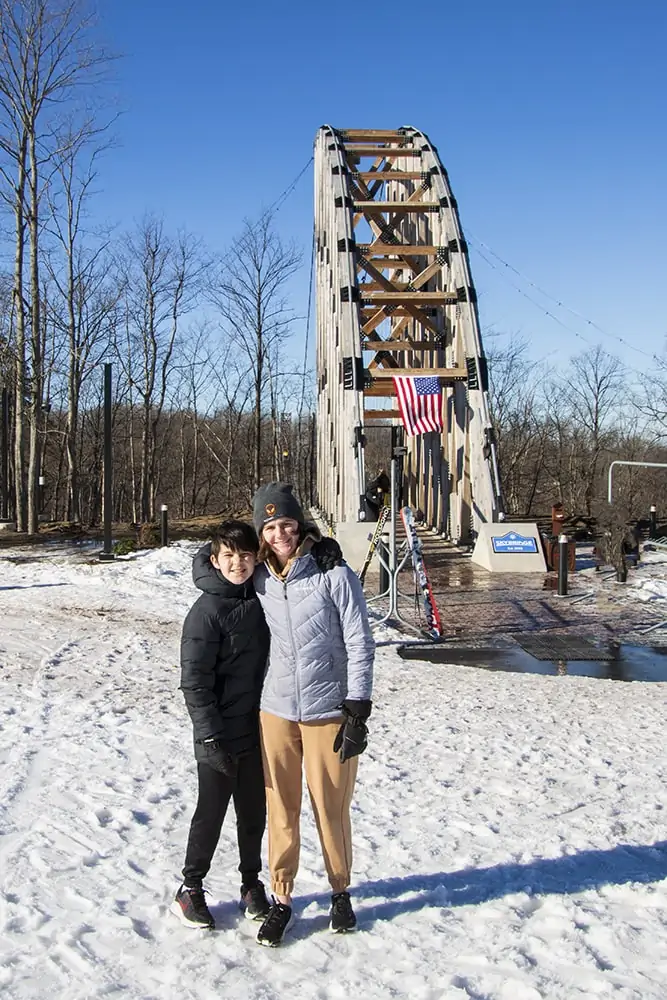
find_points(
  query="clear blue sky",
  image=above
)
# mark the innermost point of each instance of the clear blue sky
(550, 118)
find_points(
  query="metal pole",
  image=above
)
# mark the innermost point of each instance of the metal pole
(106, 555)
(164, 527)
(653, 522)
(563, 547)
(392, 538)
(383, 550)
(393, 566)
(4, 497)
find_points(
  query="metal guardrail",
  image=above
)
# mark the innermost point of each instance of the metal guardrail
(659, 543)
(618, 461)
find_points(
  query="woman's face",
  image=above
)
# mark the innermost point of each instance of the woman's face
(282, 536)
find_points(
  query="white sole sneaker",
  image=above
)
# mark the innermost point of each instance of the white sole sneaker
(342, 930)
(178, 912)
(253, 916)
(276, 944)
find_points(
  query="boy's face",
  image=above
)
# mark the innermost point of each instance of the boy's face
(237, 567)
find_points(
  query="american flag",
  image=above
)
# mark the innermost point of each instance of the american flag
(420, 403)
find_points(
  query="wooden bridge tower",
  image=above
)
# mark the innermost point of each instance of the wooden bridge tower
(395, 297)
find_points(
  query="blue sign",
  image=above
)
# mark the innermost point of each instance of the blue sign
(513, 542)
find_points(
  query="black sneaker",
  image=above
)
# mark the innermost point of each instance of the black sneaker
(278, 920)
(341, 913)
(254, 903)
(191, 909)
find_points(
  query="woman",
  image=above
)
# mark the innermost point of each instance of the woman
(315, 701)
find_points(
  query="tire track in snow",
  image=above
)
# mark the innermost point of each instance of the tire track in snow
(42, 837)
(24, 757)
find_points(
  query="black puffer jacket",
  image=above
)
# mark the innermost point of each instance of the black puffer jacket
(224, 646)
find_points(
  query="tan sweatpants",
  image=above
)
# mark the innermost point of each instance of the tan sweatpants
(286, 748)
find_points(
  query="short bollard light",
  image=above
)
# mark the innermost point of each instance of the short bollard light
(164, 526)
(563, 547)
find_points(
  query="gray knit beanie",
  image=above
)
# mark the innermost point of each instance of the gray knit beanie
(275, 500)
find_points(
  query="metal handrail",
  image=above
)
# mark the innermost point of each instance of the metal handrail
(652, 465)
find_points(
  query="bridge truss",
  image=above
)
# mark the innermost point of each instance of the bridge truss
(395, 297)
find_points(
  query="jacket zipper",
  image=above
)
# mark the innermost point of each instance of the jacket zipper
(296, 665)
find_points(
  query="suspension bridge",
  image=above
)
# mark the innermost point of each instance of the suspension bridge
(395, 297)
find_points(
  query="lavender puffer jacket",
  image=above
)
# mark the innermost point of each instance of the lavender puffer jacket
(322, 648)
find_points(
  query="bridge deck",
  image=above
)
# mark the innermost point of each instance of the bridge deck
(481, 607)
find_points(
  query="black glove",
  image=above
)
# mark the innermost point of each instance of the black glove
(327, 553)
(220, 759)
(352, 737)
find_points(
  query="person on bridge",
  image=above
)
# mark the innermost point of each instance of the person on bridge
(378, 494)
(315, 702)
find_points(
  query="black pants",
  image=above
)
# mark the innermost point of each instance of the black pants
(215, 791)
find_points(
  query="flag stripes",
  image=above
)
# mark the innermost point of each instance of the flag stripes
(419, 402)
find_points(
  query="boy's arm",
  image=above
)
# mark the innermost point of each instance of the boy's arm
(200, 644)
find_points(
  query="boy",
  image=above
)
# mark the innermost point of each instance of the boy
(224, 649)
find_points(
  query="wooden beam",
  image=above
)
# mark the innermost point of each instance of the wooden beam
(401, 311)
(366, 313)
(402, 345)
(380, 281)
(374, 320)
(382, 414)
(376, 286)
(389, 175)
(371, 135)
(382, 389)
(446, 374)
(384, 151)
(397, 206)
(391, 289)
(402, 249)
(388, 265)
(429, 272)
(431, 298)
(398, 326)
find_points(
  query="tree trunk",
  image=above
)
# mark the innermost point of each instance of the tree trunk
(35, 345)
(259, 374)
(145, 464)
(20, 363)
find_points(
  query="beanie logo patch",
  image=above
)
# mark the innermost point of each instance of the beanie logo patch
(270, 509)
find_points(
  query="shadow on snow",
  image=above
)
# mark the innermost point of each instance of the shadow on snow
(574, 873)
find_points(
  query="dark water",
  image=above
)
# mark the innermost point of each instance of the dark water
(629, 662)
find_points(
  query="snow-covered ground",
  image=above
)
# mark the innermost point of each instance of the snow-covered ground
(510, 829)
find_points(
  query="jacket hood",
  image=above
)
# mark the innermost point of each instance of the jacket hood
(209, 579)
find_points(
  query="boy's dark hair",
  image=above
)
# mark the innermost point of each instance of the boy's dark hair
(237, 536)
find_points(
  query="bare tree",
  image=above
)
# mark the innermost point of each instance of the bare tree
(651, 402)
(249, 291)
(46, 54)
(592, 391)
(191, 393)
(87, 292)
(223, 431)
(162, 279)
(514, 391)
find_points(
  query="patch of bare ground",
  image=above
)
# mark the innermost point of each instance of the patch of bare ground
(192, 528)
